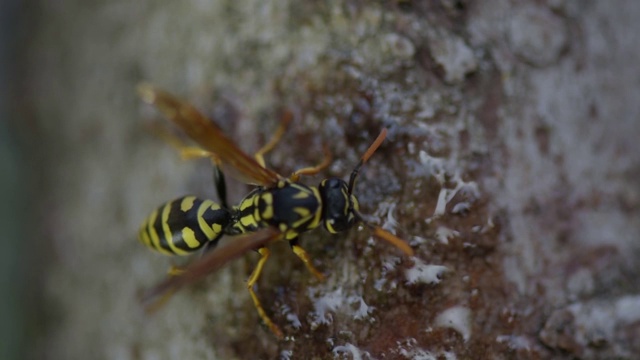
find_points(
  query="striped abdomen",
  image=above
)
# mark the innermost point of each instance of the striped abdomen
(184, 225)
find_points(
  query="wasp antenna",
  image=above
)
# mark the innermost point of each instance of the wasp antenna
(365, 157)
(385, 235)
(374, 146)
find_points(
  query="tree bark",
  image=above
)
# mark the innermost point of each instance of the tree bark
(511, 167)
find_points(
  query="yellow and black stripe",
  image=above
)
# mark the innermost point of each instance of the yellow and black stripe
(290, 207)
(293, 208)
(246, 219)
(184, 225)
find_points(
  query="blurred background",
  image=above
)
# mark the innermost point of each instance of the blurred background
(16, 269)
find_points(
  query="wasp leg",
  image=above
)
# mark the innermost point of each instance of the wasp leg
(312, 170)
(304, 256)
(264, 253)
(194, 152)
(175, 270)
(158, 303)
(259, 155)
(186, 152)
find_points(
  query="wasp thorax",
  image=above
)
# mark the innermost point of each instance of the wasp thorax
(337, 205)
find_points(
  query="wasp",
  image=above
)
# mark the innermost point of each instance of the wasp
(278, 208)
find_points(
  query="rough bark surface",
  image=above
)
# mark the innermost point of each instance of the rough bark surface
(511, 167)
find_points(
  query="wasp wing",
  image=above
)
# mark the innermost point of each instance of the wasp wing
(209, 136)
(210, 262)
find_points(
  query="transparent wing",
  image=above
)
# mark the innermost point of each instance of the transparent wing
(209, 136)
(209, 263)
